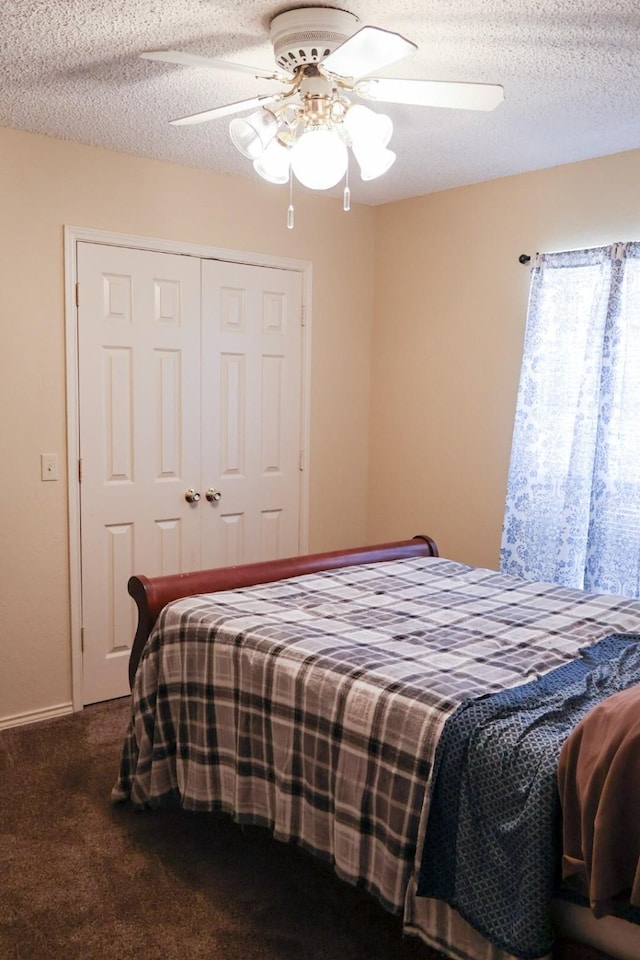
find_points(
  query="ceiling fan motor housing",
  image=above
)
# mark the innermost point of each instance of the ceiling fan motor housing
(309, 34)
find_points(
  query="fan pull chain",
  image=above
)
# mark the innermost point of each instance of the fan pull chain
(290, 211)
(346, 202)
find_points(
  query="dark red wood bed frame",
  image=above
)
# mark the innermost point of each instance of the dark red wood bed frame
(151, 594)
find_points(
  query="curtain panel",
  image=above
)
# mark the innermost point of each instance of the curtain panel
(572, 513)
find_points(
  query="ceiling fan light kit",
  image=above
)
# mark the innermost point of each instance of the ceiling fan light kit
(310, 131)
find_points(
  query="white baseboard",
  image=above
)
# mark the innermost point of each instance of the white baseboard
(35, 716)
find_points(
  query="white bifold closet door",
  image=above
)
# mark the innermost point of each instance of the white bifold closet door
(190, 383)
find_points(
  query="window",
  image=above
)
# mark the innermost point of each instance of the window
(573, 500)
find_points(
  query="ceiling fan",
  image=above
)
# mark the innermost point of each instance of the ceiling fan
(323, 58)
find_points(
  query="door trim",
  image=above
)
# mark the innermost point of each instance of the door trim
(75, 235)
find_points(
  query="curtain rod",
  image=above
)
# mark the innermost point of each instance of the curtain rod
(524, 258)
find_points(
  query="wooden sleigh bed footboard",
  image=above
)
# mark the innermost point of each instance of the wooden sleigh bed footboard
(151, 594)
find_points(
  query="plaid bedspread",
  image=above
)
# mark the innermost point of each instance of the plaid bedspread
(314, 706)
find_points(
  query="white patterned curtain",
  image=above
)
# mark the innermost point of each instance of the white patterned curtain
(573, 499)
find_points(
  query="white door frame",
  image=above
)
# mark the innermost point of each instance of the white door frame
(75, 235)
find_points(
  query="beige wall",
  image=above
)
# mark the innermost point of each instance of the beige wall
(45, 184)
(451, 301)
(441, 292)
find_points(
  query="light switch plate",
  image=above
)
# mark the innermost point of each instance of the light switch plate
(49, 466)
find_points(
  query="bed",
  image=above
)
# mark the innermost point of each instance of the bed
(383, 708)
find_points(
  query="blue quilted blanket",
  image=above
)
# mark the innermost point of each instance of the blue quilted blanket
(492, 846)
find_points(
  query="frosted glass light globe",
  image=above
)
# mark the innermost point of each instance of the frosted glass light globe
(319, 158)
(373, 163)
(250, 135)
(274, 163)
(365, 126)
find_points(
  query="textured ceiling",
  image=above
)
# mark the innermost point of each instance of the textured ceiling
(570, 72)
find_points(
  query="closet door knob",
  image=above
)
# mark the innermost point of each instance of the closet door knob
(213, 495)
(192, 496)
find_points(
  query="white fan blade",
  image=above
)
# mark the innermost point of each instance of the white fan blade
(432, 93)
(226, 110)
(193, 60)
(370, 49)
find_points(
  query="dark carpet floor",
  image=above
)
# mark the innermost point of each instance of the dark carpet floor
(81, 879)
